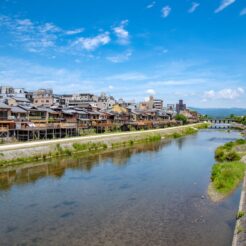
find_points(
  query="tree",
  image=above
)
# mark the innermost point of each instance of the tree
(182, 118)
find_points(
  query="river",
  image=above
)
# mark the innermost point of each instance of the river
(151, 194)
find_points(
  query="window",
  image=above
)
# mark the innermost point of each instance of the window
(3, 115)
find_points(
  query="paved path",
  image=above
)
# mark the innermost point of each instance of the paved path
(93, 137)
(239, 238)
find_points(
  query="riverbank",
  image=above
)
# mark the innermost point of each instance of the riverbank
(239, 237)
(228, 172)
(15, 154)
(226, 176)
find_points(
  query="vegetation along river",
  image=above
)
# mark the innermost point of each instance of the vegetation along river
(151, 194)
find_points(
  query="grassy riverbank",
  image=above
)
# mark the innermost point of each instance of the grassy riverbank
(226, 176)
(229, 170)
(78, 148)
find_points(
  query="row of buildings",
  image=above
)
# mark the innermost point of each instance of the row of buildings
(41, 114)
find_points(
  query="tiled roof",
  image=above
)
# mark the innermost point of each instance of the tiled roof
(4, 106)
(18, 110)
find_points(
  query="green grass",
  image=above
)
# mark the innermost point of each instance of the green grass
(203, 126)
(183, 133)
(151, 138)
(240, 229)
(89, 146)
(227, 151)
(227, 176)
(240, 214)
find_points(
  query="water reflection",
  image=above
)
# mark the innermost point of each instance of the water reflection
(181, 141)
(57, 168)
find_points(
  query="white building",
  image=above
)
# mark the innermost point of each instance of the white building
(105, 102)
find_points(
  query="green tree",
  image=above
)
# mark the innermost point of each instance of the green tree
(182, 118)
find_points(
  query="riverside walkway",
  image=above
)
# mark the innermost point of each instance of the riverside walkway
(239, 238)
(33, 144)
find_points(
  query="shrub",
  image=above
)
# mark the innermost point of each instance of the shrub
(219, 154)
(240, 214)
(227, 176)
(231, 156)
(182, 118)
(240, 141)
(228, 145)
(131, 142)
(80, 147)
(67, 151)
(176, 135)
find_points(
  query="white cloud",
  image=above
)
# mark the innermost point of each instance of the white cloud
(209, 94)
(121, 33)
(49, 27)
(151, 92)
(151, 5)
(227, 93)
(34, 37)
(166, 11)
(178, 82)
(120, 58)
(110, 87)
(128, 77)
(243, 11)
(193, 7)
(14, 72)
(40, 37)
(92, 43)
(75, 31)
(224, 4)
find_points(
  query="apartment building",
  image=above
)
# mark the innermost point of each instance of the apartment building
(43, 97)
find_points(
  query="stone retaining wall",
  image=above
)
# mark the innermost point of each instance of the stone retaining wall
(44, 147)
(239, 237)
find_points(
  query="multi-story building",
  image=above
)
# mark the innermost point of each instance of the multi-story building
(43, 97)
(152, 103)
(6, 90)
(87, 97)
(180, 106)
(158, 104)
(9, 91)
(5, 112)
(170, 107)
(105, 102)
(78, 99)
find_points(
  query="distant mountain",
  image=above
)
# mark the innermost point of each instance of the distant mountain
(220, 112)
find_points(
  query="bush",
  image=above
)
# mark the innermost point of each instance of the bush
(219, 154)
(228, 145)
(80, 147)
(240, 141)
(176, 135)
(182, 118)
(227, 176)
(240, 214)
(231, 156)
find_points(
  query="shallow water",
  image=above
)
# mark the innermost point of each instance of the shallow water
(152, 194)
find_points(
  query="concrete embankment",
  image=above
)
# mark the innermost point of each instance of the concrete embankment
(239, 237)
(28, 149)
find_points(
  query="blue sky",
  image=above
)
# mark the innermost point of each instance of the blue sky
(195, 50)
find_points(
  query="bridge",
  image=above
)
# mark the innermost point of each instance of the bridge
(221, 123)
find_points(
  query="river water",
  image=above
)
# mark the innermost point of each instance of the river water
(151, 194)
